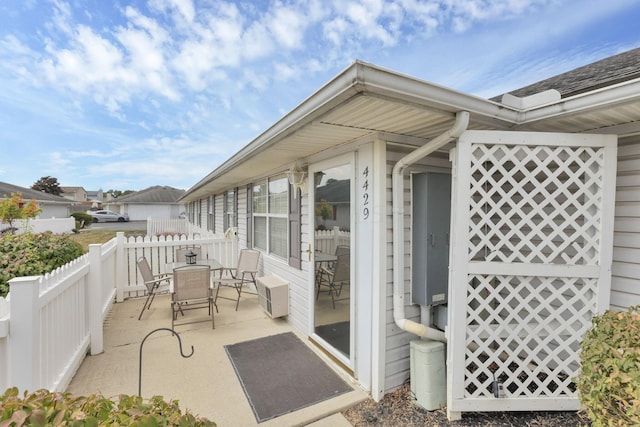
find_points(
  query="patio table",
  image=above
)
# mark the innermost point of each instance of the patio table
(320, 258)
(213, 264)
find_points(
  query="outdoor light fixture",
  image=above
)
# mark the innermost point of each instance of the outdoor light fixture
(297, 178)
(191, 257)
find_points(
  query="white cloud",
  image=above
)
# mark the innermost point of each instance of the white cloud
(287, 26)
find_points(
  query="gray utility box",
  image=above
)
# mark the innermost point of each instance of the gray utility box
(428, 382)
(431, 217)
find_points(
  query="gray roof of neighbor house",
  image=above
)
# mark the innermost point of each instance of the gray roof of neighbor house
(152, 195)
(606, 72)
(27, 194)
(335, 192)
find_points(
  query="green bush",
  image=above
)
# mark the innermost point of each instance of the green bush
(33, 255)
(46, 408)
(609, 382)
(82, 217)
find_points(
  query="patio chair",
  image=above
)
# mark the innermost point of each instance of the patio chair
(182, 252)
(237, 277)
(327, 270)
(191, 291)
(155, 283)
(337, 277)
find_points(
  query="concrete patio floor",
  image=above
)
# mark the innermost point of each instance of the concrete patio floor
(205, 384)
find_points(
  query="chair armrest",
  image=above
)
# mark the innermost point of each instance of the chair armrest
(159, 279)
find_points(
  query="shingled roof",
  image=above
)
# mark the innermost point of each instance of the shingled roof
(152, 195)
(27, 194)
(606, 72)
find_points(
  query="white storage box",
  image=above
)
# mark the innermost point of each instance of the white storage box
(428, 376)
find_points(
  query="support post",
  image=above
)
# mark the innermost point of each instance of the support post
(24, 333)
(335, 233)
(121, 262)
(94, 296)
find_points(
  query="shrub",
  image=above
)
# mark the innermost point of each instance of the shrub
(609, 382)
(51, 408)
(82, 218)
(33, 255)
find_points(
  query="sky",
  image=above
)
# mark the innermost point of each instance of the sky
(125, 95)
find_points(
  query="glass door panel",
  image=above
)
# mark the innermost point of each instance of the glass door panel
(332, 213)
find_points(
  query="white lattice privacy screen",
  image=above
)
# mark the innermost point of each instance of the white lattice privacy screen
(531, 259)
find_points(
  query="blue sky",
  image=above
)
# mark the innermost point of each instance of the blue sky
(129, 94)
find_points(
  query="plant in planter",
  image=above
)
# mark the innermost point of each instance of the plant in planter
(609, 381)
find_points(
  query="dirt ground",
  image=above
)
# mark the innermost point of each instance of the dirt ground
(399, 409)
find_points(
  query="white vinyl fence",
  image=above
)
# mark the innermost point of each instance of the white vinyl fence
(327, 240)
(54, 225)
(160, 253)
(169, 227)
(49, 323)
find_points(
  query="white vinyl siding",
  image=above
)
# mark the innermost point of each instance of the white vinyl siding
(397, 341)
(625, 281)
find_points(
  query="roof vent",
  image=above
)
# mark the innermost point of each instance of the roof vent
(536, 100)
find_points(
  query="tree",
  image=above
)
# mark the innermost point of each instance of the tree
(119, 193)
(12, 208)
(47, 184)
(324, 211)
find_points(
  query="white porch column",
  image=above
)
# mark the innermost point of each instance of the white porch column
(24, 333)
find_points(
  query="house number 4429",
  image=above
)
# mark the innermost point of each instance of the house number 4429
(365, 193)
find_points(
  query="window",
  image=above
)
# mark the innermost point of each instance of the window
(270, 216)
(211, 225)
(230, 203)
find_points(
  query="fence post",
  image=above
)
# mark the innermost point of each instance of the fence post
(24, 333)
(121, 263)
(94, 296)
(335, 233)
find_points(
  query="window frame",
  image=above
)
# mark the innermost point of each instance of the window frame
(269, 215)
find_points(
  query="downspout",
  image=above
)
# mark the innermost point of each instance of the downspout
(460, 125)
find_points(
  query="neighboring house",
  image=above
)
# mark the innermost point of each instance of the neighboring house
(158, 202)
(77, 194)
(52, 206)
(333, 205)
(96, 197)
(510, 222)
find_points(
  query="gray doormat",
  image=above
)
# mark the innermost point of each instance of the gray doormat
(280, 374)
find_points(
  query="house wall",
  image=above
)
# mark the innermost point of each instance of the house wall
(397, 368)
(53, 211)
(140, 212)
(625, 283)
(219, 220)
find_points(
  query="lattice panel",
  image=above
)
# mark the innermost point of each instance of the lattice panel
(536, 204)
(525, 332)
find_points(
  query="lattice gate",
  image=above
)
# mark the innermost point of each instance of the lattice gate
(532, 234)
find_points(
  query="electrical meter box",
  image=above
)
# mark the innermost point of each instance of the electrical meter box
(431, 217)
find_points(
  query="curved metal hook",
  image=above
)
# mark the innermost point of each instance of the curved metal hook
(140, 357)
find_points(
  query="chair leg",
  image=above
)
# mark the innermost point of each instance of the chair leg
(239, 290)
(145, 306)
(333, 300)
(213, 322)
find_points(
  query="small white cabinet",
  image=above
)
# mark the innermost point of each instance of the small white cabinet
(273, 295)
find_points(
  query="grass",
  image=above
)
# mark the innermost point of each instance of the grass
(88, 237)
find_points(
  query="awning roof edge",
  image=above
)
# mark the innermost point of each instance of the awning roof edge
(360, 78)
